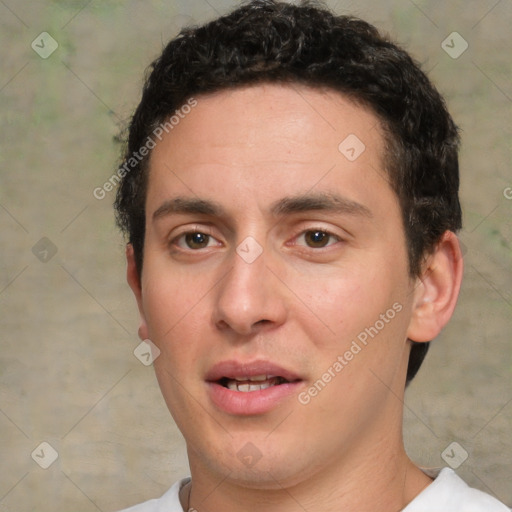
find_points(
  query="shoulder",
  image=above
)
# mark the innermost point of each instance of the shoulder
(449, 492)
(169, 502)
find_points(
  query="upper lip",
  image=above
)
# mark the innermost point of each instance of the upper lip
(232, 369)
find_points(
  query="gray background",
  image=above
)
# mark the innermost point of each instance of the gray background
(68, 375)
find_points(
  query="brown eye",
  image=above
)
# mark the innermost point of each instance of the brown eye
(317, 238)
(197, 240)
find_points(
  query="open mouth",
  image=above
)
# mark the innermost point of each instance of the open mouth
(248, 384)
(250, 388)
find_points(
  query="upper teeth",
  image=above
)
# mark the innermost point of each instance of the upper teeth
(244, 383)
(236, 386)
(255, 378)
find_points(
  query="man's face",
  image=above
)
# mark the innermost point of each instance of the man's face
(275, 283)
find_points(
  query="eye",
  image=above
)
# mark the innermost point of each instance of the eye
(194, 240)
(318, 238)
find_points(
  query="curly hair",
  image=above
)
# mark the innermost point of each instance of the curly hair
(270, 41)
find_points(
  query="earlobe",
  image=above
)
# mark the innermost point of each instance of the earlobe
(133, 278)
(437, 290)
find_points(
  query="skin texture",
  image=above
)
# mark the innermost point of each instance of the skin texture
(295, 305)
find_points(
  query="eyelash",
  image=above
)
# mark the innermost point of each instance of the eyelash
(331, 235)
(176, 239)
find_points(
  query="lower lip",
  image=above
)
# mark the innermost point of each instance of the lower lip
(250, 402)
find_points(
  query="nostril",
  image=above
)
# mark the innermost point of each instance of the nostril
(262, 322)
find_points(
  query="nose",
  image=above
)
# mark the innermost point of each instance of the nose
(249, 298)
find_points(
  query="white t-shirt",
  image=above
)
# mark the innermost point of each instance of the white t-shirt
(447, 493)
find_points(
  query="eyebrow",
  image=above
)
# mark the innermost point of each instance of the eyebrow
(188, 205)
(320, 202)
(285, 206)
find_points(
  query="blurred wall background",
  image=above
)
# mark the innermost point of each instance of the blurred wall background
(68, 375)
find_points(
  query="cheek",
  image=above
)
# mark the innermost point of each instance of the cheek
(334, 308)
(175, 315)
(170, 296)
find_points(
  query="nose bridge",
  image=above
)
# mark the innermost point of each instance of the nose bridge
(247, 295)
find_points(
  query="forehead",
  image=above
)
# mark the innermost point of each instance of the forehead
(269, 140)
(307, 118)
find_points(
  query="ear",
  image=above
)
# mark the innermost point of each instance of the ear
(133, 278)
(436, 290)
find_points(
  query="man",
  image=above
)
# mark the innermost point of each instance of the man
(290, 196)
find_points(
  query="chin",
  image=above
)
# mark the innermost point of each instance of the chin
(256, 463)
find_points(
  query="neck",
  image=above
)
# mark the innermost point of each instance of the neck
(381, 479)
